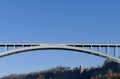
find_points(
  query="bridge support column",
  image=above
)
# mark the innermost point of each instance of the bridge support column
(6, 48)
(14, 47)
(107, 50)
(116, 51)
(99, 48)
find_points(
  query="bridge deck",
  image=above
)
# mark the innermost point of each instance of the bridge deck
(68, 44)
(107, 50)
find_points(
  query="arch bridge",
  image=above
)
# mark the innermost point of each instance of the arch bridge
(106, 50)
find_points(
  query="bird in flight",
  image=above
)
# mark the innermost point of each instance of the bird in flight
(53, 23)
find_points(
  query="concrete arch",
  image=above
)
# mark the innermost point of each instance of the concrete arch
(58, 47)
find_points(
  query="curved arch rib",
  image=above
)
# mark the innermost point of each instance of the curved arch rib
(79, 49)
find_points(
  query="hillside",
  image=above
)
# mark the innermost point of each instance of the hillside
(109, 70)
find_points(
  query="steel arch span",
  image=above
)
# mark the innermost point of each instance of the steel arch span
(82, 47)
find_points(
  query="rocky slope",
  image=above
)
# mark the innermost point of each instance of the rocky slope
(108, 69)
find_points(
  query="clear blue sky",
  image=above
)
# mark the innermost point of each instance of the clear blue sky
(73, 21)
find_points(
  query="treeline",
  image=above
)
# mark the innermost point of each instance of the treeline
(108, 75)
(109, 70)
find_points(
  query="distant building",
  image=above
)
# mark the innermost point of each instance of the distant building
(82, 68)
(93, 67)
